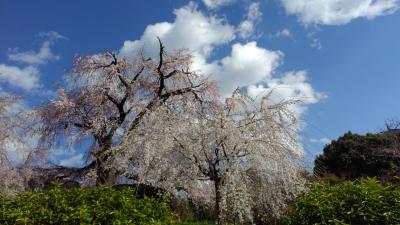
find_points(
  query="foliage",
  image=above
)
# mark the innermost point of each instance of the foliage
(187, 210)
(364, 201)
(83, 206)
(353, 156)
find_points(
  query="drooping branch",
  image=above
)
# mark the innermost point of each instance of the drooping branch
(227, 150)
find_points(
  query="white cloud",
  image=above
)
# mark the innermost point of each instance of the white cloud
(337, 12)
(51, 35)
(191, 29)
(293, 85)
(283, 33)
(43, 56)
(300, 89)
(214, 4)
(247, 64)
(74, 161)
(246, 27)
(31, 57)
(316, 43)
(26, 78)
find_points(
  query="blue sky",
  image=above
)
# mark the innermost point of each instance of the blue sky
(340, 57)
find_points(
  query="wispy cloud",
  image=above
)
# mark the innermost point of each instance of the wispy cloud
(43, 56)
(283, 33)
(338, 12)
(28, 77)
(323, 141)
(215, 4)
(253, 17)
(316, 43)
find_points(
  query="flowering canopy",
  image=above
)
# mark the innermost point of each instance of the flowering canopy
(12, 145)
(108, 96)
(244, 154)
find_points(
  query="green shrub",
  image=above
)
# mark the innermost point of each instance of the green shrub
(363, 202)
(88, 206)
(187, 210)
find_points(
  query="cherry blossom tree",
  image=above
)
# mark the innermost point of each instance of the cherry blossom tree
(14, 150)
(244, 156)
(109, 96)
(160, 123)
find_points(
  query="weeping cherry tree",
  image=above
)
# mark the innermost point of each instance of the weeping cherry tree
(242, 156)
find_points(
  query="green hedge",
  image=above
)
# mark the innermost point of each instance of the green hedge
(87, 206)
(363, 202)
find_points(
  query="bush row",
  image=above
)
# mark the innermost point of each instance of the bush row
(83, 206)
(363, 202)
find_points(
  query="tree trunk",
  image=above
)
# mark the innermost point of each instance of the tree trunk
(105, 176)
(217, 185)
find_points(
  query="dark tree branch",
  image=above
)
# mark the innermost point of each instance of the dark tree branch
(123, 81)
(137, 75)
(161, 54)
(139, 116)
(160, 73)
(113, 100)
(171, 74)
(201, 169)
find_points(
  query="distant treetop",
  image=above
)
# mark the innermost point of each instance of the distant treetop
(353, 156)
